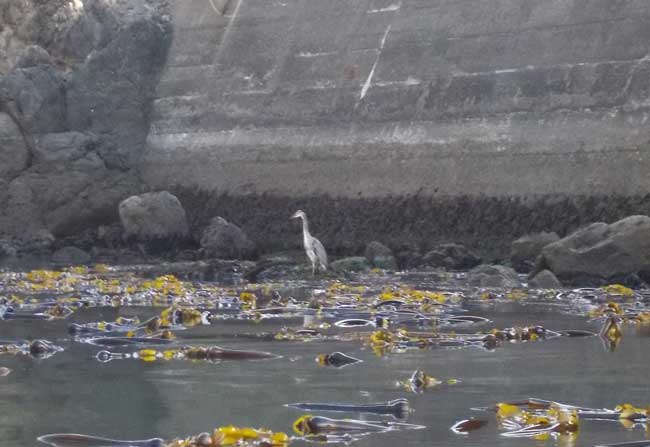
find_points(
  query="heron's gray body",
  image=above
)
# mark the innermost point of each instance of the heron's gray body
(313, 247)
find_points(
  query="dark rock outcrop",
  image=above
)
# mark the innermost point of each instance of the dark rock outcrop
(493, 276)
(110, 93)
(525, 250)
(36, 97)
(78, 85)
(7, 248)
(32, 56)
(601, 251)
(70, 256)
(380, 256)
(14, 153)
(225, 240)
(452, 257)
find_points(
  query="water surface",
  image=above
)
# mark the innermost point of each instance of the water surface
(73, 392)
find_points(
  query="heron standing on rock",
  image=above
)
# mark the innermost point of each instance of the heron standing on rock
(314, 249)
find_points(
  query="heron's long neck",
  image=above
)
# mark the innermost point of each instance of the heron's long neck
(305, 227)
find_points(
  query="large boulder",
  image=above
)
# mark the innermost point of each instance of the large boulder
(154, 215)
(225, 240)
(452, 257)
(380, 256)
(601, 251)
(14, 154)
(544, 280)
(525, 250)
(493, 276)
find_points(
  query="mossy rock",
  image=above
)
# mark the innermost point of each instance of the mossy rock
(352, 264)
(385, 262)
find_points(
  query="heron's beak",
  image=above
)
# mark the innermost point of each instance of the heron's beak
(295, 216)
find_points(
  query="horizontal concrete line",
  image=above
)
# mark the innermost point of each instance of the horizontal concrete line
(565, 66)
(260, 155)
(174, 72)
(542, 27)
(503, 135)
(193, 106)
(190, 70)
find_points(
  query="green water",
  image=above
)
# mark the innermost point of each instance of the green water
(129, 399)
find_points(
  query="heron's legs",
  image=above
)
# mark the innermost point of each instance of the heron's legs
(313, 269)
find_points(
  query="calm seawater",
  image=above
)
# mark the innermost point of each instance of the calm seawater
(129, 399)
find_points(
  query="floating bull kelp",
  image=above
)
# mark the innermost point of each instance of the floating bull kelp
(622, 411)
(305, 335)
(172, 318)
(530, 419)
(467, 425)
(234, 436)
(104, 286)
(398, 408)
(160, 338)
(183, 316)
(76, 440)
(38, 348)
(337, 360)
(325, 429)
(120, 325)
(383, 341)
(539, 418)
(627, 444)
(611, 331)
(45, 310)
(420, 381)
(221, 437)
(311, 428)
(210, 354)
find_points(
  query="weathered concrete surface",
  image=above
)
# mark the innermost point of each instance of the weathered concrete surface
(394, 97)
(372, 99)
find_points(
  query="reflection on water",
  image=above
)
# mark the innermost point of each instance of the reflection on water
(73, 392)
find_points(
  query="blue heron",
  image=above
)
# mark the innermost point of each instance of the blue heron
(314, 249)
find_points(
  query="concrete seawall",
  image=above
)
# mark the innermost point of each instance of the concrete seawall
(491, 101)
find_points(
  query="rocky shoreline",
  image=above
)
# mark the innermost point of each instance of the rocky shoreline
(77, 84)
(155, 230)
